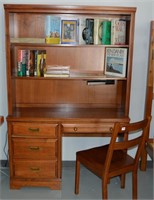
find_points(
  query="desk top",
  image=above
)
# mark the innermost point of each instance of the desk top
(69, 114)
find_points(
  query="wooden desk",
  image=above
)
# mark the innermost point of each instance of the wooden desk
(1, 120)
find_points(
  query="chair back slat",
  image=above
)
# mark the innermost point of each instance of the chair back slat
(139, 132)
(127, 144)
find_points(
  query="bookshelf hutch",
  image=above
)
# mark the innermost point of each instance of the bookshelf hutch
(43, 110)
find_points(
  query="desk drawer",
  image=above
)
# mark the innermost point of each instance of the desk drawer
(88, 128)
(34, 148)
(35, 129)
(35, 169)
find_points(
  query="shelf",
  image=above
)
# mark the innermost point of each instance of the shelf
(28, 44)
(76, 76)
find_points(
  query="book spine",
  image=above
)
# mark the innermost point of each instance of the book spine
(21, 68)
(106, 33)
(118, 32)
(82, 26)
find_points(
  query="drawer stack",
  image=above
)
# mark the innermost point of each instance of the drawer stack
(35, 157)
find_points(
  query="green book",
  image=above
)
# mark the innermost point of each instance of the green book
(106, 32)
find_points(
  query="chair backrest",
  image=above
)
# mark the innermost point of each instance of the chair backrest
(133, 134)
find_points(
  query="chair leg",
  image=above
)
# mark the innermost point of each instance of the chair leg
(134, 185)
(104, 190)
(77, 177)
(122, 180)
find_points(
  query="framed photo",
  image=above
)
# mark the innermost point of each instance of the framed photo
(69, 32)
(116, 61)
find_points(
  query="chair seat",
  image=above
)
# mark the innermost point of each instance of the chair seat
(94, 159)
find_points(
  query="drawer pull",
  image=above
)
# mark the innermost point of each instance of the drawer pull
(34, 148)
(34, 129)
(75, 129)
(36, 169)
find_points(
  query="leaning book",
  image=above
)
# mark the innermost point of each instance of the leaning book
(52, 29)
(116, 62)
(118, 32)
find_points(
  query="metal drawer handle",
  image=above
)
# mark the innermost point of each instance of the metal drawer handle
(35, 169)
(34, 148)
(34, 129)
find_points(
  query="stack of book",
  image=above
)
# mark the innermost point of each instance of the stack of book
(57, 71)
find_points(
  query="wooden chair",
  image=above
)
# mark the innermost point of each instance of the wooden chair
(113, 160)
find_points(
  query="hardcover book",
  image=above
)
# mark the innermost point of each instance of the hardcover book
(98, 30)
(82, 26)
(118, 32)
(53, 29)
(88, 32)
(69, 31)
(115, 61)
(106, 32)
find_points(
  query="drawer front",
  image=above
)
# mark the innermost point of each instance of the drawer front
(34, 148)
(35, 169)
(88, 128)
(35, 129)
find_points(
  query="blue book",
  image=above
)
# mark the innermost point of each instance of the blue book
(53, 29)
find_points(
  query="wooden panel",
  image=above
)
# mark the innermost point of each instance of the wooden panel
(66, 92)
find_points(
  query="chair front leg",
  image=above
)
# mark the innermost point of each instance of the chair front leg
(104, 190)
(77, 176)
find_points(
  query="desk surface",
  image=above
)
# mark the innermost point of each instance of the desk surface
(67, 113)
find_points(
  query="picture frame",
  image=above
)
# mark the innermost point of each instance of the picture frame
(69, 31)
(115, 62)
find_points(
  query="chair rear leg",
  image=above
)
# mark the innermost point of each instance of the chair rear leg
(122, 180)
(77, 176)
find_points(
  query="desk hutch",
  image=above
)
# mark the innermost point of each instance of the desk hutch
(42, 110)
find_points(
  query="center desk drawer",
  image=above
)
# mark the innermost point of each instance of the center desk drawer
(88, 128)
(35, 129)
(34, 148)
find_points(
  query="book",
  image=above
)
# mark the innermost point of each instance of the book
(69, 31)
(106, 32)
(21, 62)
(57, 71)
(116, 61)
(88, 32)
(118, 32)
(52, 29)
(98, 22)
(82, 26)
(40, 65)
